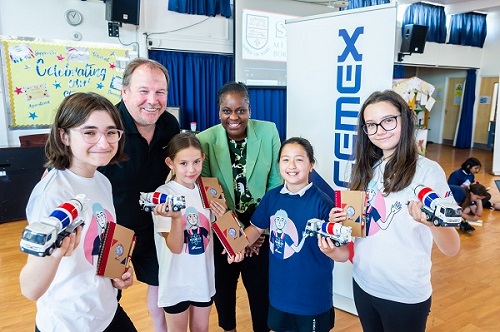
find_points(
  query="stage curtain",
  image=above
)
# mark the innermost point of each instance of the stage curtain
(195, 79)
(270, 105)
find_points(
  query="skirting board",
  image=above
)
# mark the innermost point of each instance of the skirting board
(344, 303)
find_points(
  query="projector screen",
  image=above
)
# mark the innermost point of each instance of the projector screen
(260, 50)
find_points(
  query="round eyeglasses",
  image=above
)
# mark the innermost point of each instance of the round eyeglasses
(93, 135)
(388, 124)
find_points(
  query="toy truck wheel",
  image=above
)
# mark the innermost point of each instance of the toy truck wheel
(428, 217)
(336, 243)
(59, 241)
(147, 209)
(49, 250)
(436, 222)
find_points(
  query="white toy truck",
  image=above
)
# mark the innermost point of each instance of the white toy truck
(42, 237)
(339, 234)
(148, 201)
(440, 211)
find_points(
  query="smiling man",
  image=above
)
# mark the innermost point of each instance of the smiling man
(148, 128)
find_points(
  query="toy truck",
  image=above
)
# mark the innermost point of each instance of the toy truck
(42, 237)
(339, 234)
(148, 201)
(440, 211)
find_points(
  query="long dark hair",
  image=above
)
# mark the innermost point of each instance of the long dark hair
(402, 166)
(475, 188)
(469, 163)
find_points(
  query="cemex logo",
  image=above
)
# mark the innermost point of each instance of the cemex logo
(349, 74)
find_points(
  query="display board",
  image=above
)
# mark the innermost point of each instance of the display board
(39, 74)
(335, 61)
(260, 43)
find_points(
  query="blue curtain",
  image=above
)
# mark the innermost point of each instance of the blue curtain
(201, 7)
(269, 105)
(365, 3)
(468, 29)
(464, 134)
(430, 15)
(195, 79)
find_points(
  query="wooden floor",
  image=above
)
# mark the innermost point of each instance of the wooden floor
(466, 287)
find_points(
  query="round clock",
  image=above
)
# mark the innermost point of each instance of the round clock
(73, 17)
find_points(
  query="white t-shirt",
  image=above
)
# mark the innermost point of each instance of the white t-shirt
(77, 299)
(188, 276)
(394, 261)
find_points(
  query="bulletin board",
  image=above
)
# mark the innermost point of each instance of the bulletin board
(39, 74)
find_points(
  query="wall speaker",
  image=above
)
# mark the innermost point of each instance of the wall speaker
(414, 37)
(125, 11)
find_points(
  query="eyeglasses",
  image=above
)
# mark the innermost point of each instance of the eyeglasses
(388, 124)
(92, 135)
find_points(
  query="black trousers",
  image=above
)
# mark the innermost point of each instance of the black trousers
(255, 275)
(120, 323)
(379, 315)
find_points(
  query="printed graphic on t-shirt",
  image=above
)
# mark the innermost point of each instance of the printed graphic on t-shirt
(93, 238)
(196, 231)
(283, 237)
(376, 214)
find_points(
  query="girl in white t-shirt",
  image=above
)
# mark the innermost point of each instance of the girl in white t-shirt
(392, 265)
(86, 134)
(184, 241)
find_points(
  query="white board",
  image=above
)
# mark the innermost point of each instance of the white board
(335, 61)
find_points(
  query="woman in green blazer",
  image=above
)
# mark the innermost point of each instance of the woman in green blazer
(243, 155)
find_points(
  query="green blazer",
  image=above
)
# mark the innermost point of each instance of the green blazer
(262, 171)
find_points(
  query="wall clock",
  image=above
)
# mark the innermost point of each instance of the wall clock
(73, 17)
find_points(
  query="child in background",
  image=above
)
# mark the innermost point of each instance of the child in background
(470, 198)
(300, 268)
(465, 176)
(184, 242)
(392, 265)
(86, 133)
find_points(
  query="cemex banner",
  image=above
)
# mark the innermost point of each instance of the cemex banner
(335, 61)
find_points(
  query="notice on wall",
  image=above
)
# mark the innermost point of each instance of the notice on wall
(40, 74)
(457, 97)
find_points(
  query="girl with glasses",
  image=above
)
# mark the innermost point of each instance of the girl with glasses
(86, 134)
(392, 265)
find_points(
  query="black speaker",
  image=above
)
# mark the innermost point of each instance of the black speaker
(125, 11)
(414, 37)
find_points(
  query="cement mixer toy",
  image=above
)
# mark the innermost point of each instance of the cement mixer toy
(440, 211)
(148, 201)
(40, 238)
(339, 234)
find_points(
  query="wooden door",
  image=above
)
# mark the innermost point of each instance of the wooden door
(452, 109)
(482, 120)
